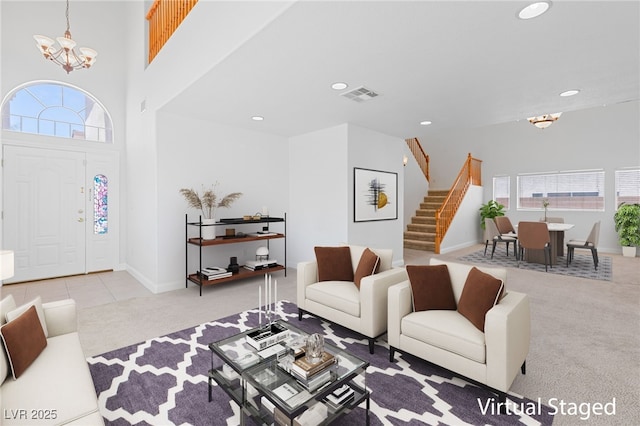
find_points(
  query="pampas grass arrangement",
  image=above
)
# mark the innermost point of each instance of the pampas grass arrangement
(208, 201)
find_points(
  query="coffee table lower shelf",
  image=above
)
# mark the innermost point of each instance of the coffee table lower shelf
(264, 415)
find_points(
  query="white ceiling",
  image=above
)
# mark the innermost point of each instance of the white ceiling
(457, 64)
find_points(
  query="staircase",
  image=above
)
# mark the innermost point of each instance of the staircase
(431, 222)
(421, 232)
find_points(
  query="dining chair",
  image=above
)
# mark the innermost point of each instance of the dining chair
(505, 227)
(591, 243)
(534, 236)
(492, 233)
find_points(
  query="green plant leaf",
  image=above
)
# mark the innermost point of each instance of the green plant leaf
(627, 224)
(490, 210)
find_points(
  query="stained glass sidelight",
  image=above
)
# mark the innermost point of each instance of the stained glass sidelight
(100, 204)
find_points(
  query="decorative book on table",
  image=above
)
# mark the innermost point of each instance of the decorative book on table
(314, 382)
(306, 369)
(340, 397)
(262, 338)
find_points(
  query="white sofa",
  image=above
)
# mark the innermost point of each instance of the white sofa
(448, 339)
(362, 310)
(56, 389)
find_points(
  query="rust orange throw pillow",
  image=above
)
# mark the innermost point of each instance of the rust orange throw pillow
(481, 292)
(368, 265)
(334, 263)
(23, 340)
(431, 287)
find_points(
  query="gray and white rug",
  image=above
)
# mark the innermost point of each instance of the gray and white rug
(163, 381)
(581, 266)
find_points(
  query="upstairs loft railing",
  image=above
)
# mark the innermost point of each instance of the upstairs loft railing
(470, 174)
(419, 155)
(164, 17)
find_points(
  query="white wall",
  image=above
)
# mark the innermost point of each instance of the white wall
(141, 157)
(318, 191)
(372, 150)
(465, 230)
(598, 138)
(321, 190)
(192, 153)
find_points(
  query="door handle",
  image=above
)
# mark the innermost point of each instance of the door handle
(80, 219)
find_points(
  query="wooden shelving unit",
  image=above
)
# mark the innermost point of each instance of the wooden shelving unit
(222, 240)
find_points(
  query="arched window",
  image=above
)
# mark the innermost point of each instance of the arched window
(56, 109)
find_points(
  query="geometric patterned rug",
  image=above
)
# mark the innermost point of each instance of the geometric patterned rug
(581, 265)
(163, 381)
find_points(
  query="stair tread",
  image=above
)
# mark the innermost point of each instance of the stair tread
(421, 232)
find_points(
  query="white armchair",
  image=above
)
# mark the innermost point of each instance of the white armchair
(363, 310)
(446, 338)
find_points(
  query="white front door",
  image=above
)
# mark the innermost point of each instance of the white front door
(48, 199)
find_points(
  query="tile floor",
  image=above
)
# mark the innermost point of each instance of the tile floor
(87, 290)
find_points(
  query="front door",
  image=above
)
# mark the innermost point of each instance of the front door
(50, 212)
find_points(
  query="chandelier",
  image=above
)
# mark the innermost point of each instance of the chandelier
(544, 121)
(64, 53)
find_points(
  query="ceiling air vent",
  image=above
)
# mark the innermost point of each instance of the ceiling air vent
(360, 94)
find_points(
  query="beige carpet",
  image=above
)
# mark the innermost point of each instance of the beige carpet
(585, 346)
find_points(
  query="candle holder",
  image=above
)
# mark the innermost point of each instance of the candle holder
(271, 332)
(271, 313)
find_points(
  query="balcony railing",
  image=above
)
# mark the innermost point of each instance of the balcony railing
(418, 153)
(164, 17)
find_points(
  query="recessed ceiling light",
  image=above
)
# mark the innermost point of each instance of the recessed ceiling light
(425, 123)
(534, 10)
(339, 86)
(569, 93)
(257, 118)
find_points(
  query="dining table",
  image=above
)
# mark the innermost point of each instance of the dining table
(556, 236)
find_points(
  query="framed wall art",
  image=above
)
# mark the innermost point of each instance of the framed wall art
(375, 195)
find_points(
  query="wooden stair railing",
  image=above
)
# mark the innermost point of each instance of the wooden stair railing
(164, 17)
(419, 155)
(470, 174)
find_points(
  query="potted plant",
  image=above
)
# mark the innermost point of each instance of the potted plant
(207, 204)
(490, 210)
(627, 223)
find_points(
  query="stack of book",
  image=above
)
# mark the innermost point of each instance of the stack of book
(313, 376)
(339, 397)
(257, 265)
(213, 273)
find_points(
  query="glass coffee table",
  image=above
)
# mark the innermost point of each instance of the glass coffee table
(260, 381)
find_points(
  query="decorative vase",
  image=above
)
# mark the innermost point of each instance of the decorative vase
(315, 347)
(208, 232)
(629, 251)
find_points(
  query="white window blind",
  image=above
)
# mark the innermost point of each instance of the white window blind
(581, 190)
(502, 190)
(627, 186)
